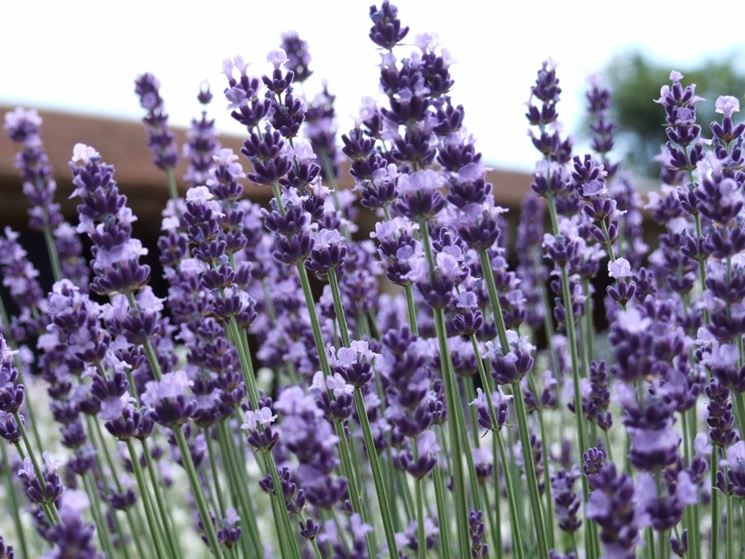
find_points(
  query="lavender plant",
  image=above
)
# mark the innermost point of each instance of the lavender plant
(308, 388)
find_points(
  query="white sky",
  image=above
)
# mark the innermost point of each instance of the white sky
(84, 55)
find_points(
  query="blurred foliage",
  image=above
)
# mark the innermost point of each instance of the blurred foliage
(635, 81)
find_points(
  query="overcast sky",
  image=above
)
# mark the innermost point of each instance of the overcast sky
(84, 55)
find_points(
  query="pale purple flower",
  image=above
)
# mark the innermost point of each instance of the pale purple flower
(727, 105)
(84, 154)
(498, 398)
(632, 321)
(420, 181)
(736, 456)
(619, 268)
(263, 417)
(276, 57)
(171, 385)
(594, 187)
(334, 383)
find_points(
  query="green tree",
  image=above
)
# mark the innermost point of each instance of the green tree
(635, 81)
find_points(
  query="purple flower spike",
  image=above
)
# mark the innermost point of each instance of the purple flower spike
(611, 506)
(298, 57)
(386, 31)
(170, 399)
(161, 140)
(24, 128)
(107, 220)
(48, 490)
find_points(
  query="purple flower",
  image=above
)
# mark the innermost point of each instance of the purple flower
(170, 398)
(727, 105)
(161, 140)
(611, 505)
(386, 31)
(252, 419)
(619, 268)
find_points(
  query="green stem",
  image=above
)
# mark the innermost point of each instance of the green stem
(172, 187)
(421, 536)
(517, 541)
(240, 492)
(411, 309)
(730, 552)
(215, 473)
(359, 401)
(188, 464)
(522, 420)
(117, 483)
(145, 496)
(459, 489)
(101, 528)
(533, 493)
(345, 455)
(10, 491)
(191, 472)
(453, 404)
(715, 512)
(52, 252)
(164, 514)
(442, 515)
(487, 386)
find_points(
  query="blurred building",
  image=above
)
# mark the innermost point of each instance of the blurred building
(122, 143)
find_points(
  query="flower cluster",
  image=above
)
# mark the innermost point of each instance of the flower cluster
(380, 372)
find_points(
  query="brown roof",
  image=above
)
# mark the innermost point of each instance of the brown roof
(122, 143)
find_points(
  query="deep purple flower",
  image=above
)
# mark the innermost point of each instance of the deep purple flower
(161, 140)
(170, 399)
(611, 506)
(47, 490)
(566, 501)
(386, 31)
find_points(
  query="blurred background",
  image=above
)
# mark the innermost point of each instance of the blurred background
(76, 61)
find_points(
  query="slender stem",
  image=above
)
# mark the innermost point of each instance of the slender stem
(421, 536)
(730, 551)
(145, 495)
(517, 541)
(101, 528)
(164, 514)
(172, 187)
(215, 473)
(52, 252)
(117, 483)
(453, 403)
(411, 309)
(530, 474)
(345, 455)
(188, 464)
(372, 452)
(739, 400)
(10, 491)
(444, 539)
(240, 491)
(191, 472)
(459, 489)
(549, 502)
(715, 512)
(522, 420)
(277, 484)
(701, 264)
(487, 384)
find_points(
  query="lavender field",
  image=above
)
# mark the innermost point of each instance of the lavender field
(404, 369)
